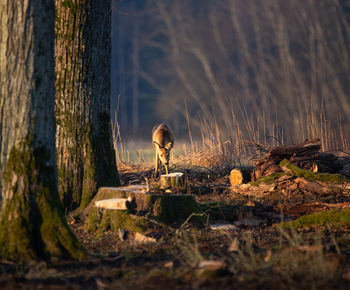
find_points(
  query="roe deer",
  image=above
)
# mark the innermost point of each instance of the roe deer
(163, 141)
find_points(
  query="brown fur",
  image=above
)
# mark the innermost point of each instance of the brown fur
(163, 141)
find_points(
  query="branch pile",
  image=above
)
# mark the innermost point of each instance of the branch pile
(306, 155)
(298, 169)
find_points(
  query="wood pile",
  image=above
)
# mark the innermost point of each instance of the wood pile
(306, 155)
(297, 170)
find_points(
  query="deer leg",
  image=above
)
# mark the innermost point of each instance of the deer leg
(157, 163)
(166, 168)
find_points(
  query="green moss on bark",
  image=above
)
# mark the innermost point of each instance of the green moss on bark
(89, 187)
(164, 210)
(90, 164)
(101, 220)
(268, 179)
(186, 206)
(16, 239)
(32, 224)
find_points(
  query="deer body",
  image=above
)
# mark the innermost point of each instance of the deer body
(163, 141)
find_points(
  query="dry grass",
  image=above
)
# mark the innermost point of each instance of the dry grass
(278, 68)
(133, 167)
(202, 157)
(233, 143)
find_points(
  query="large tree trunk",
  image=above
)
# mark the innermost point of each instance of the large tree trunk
(32, 223)
(85, 153)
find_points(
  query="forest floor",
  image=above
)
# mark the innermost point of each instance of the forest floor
(252, 252)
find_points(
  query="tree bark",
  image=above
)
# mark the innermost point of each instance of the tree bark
(85, 153)
(32, 223)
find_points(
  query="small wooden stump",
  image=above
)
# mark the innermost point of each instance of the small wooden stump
(171, 180)
(240, 176)
(236, 177)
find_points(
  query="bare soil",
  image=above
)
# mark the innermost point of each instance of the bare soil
(254, 254)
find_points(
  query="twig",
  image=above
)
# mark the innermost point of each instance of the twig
(192, 215)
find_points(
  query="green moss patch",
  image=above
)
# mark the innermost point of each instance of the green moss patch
(327, 177)
(101, 220)
(32, 223)
(270, 178)
(335, 218)
(267, 179)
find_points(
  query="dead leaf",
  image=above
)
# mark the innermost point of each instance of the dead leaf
(268, 255)
(234, 247)
(210, 265)
(223, 227)
(169, 264)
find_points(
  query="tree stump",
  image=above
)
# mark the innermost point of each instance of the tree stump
(107, 209)
(236, 177)
(171, 180)
(240, 176)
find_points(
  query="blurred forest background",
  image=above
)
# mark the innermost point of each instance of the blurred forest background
(273, 71)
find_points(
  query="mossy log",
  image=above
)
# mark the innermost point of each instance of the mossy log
(289, 168)
(142, 207)
(306, 148)
(171, 180)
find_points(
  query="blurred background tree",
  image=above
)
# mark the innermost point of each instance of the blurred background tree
(268, 68)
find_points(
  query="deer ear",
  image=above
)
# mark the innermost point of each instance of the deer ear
(169, 145)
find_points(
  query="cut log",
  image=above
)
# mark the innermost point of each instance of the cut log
(325, 156)
(236, 176)
(114, 203)
(171, 180)
(306, 148)
(240, 175)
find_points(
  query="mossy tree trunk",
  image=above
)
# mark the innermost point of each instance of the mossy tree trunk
(32, 223)
(85, 153)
